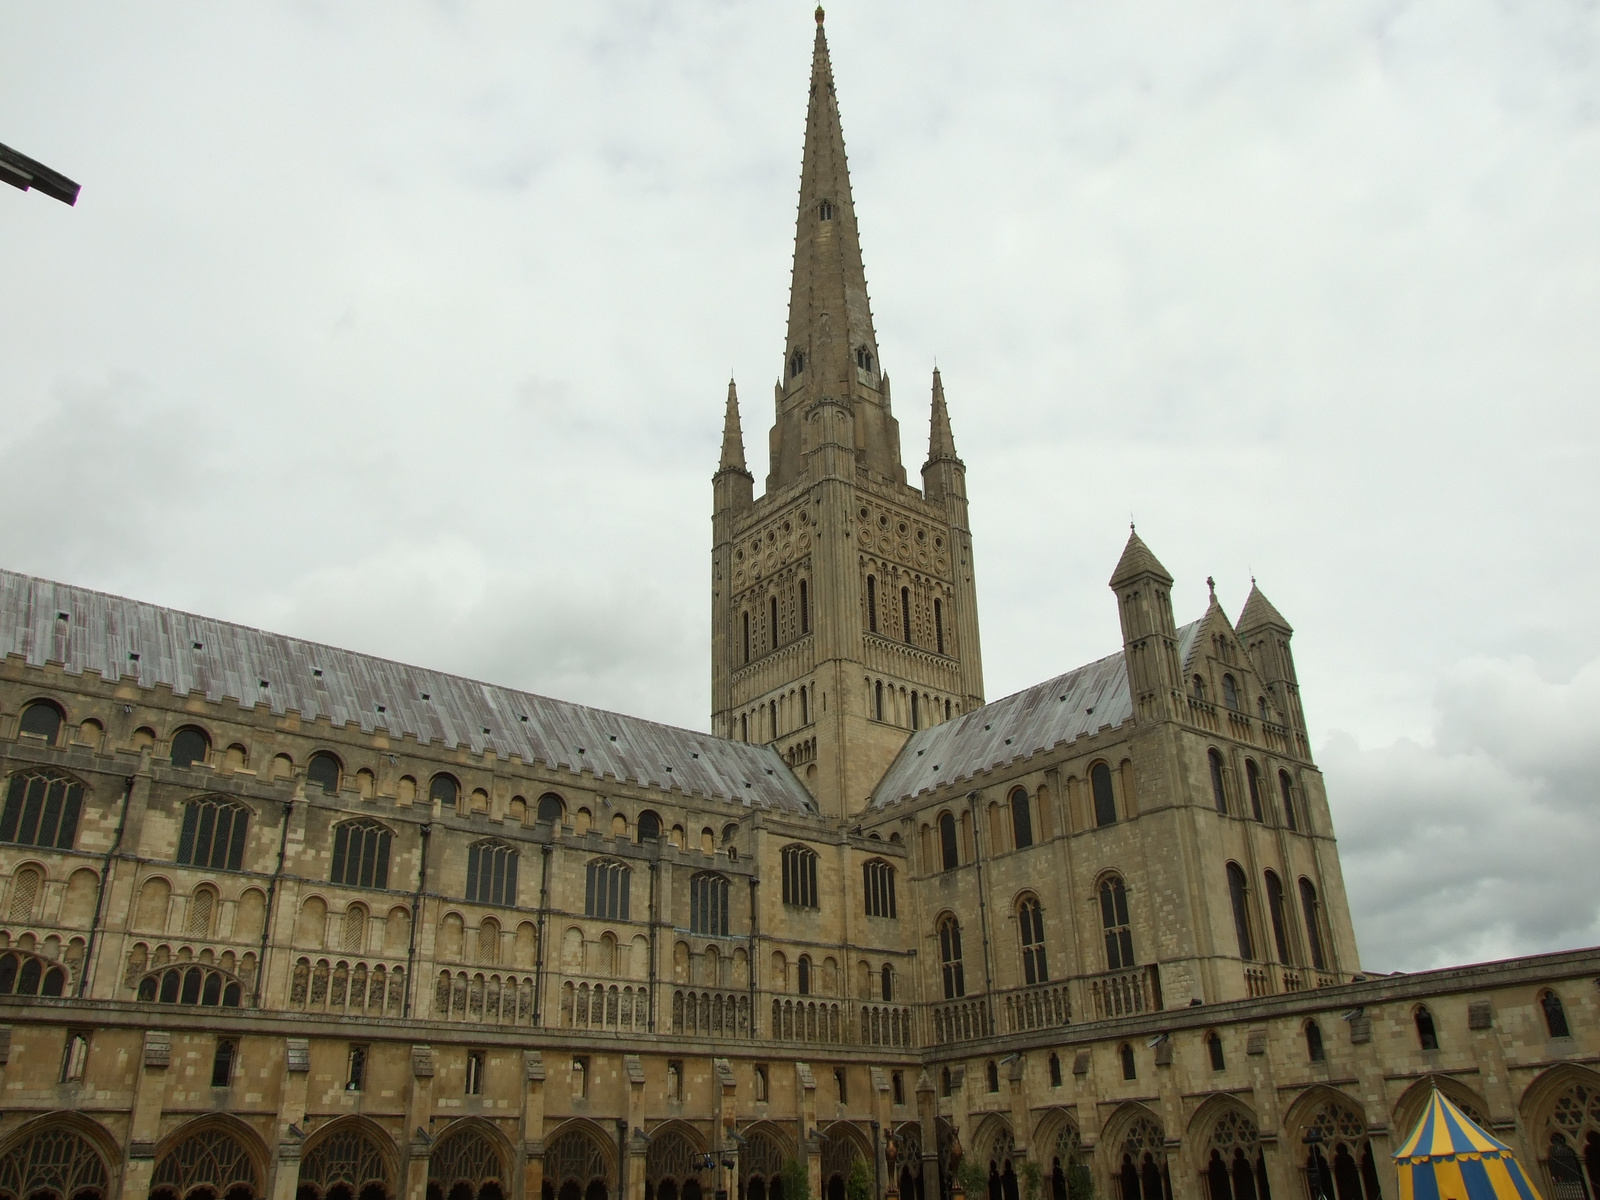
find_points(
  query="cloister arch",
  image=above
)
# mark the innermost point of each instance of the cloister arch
(58, 1156)
(579, 1163)
(1409, 1108)
(349, 1158)
(216, 1157)
(1057, 1146)
(1136, 1154)
(1561, 1114)
(671, 1171)
(1326, 1131)
(470, 1161)
(842, 1144)
(761, 1158)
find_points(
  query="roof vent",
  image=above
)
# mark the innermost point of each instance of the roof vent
(264, 683)
(132, 657)
(63, 617)
(988, 726)
(381, 708)
(524, 720)
(198, 646)
(425, 696)
(317, 672)
(486, 729)
(1008, 741)
(613, 737)
(696, 754)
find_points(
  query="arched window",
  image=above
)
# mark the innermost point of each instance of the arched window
(1427, 1035)
(825, 210)
(949, 854)
(877, 700)
(877, 886)
(905, 614)
(805, 609)
(189, 746)
(1230, 693)
(1555, 1016)
(1218, 795)
(1055, 1069)
(445, 790)
(872, 606)
(1030, 924)
(886, 980)
(1197, 688)
(803, 975)
(361, 854)
(42, 809)
(649, 826)
(955, 979)
(916, 712)
(745, 618)
(25, 886)
(323, 770)
(1314, 1042)
(1021, 820)
(1313, 914)
(1280, 927)
(551, 810)
(491, 874)
(1237, 893)
(41, 719)
(938, 625)
(992, 1072)
(799, 876)
(23, 974)
(864, 358)
(1114, 923)
(1252, 774)
(805, 710)
(213, 834)
(1219, 1061)
(708, 905)
(191, 984)
(797, 363)
(1129, 1069)
(1105, 804)
(605, 891)
(1287, 790)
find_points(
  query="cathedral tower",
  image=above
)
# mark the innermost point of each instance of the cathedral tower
(844, 612)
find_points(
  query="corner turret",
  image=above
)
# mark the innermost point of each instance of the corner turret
(1149, 634)
(1266, 635)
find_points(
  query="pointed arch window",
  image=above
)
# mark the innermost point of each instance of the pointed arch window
(878, 888)
(213, 834)
(955, 979)
(191, 985)
(1252, 775)
(361, 854)
(605, 891)
(1219, 1060)
(745, 617)
(1105, 803)
(1021, 820)
(825, 210)
(708, 904)
(1314, 1049)
(799, 876)
(1230, 693)
(1555, 1016)
(491, 874)
(938, 625)
(872, 604)
(42, 809)
(1055, 1069)
(1313, 915)
(1427, 1034)
(797, 362)
(949, 855)
(1197, 688)
(805, 609)
(905, 614)
(1286, 790)
(23, 974)
(1280, 925)
(1238, 895)
(1129, 1069)
(1219, 795)
(1114, 923)
(1030, 924)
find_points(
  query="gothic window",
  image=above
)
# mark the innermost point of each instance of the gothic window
(1129, 1069)
(1230, 693)
(213, 834)
(825, 210)
(445, 790)
(947, 710)
(204, 986)
(877, 700)
(1197, 687)
(772, 715)
(745, 617)
(805, 609)
(938, 625)
(992, 1071)
(361, 854)
(1219, 1061)
(473, 1084)
(955, 980)
(708, 905)
(799, 876)
(1105, 804)
(803, 975)
(905, 614)
(864, 358)
(773, 627)
(1314, 1049)
(1555, 1017)
(1021, 820)
(355, 1076)
(744, 727)
(886, 980)
(1287, 790)
(877, 882)
(1114, 923)
(1313, 914)
(42, 809)
(189, 746)
(551, 810)
(323, 771)
(350, 1156)
(1219, 795)
(872, 606)
(41, 719)
(491, 874)
(1280, 928)
(222, 1059)
(605, 891)
(55, 1161)
(23, 974)
(1261, 706)
(949, 856)
(805, 710)
(916, 716)
(649, 826)
(797, 363)
(1055, 1069)
(1427, 1035)
(1030, 922)
(1252, 774)
(1238, 895)
(897, 1081)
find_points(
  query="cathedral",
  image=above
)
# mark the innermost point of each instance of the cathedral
(279, 920)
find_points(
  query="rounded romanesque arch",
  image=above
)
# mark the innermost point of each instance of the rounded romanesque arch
(210, 1158)
(59, 1156)
(350, 1158)
(1327, 1131)
(1561, 1113)
(1136, 1154)
(671, 1166)
(469, 1161)
(761, 1158)
(579, 1163)
(1409, 1108)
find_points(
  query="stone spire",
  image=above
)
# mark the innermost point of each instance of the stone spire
(941, 444)
(732, 436)
(1137, 560)
(1259, 613)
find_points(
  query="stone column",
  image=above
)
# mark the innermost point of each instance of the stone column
(637, 1147)
(532, 1126)
(144, 1127)
(928, 1118)
(806, 1145)
(419, 1113)
(291, 1111)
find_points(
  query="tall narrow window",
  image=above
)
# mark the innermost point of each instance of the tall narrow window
(1241, 912)
(361, 854)
(949, 855)
(1252, 775)
(1129, 1070)
(878, 888)
(772, 717)
(42, 809)
(886, 983)
(916, 716)
(744, 727)
(745, 617)
(355, 1076)
(905, 614)
(761, 1082)
(1555, 1017)
(1287, 790)
(877, 700)
(1219, 795)
(75, 1058)
(606, 888)
(1314, 1042)
(774, 626)
(708, 905)
(1280, 929)
(491, 874)
(1021, 820)
(803, 975)
(799, 876)
(1055, 1069)
(1308, 902)
(474, 1080)
(805, 609)
(213, 834)
(222, 1060)
(938, 625)
(1427, 1035)
(1230, 692)
(580, 1077)
(841, 1084)
(1214, 1046)
(872, 605)
(955, 980)
(897, 1081)
(1114, 923)
(805, 709)
(1105, 804)
(992, 1071)
(1030, 924)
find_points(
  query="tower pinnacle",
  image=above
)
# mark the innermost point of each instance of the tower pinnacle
(941, 443)
(732, 435)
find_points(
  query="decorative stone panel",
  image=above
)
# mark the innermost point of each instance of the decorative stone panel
(157, 1048)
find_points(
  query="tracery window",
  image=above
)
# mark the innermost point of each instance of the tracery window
(1219, 795)
(1313, 915)
(606, 888)
(347, 1155)
(23, 974)
(42, 809)
(1115, 925)
(210, 1158)
(878, 888)
(577, 1159)
(1030, 924)
(1105, 804)
(1144, 1174)
(491, 873)
(361, 854)
(1021, 820)
(1238, 895)
(955, 980)
(799, 876)
(464, 1160)
(213, 834)
(57, 1162)
(1237, 1170)
(797, 363)
(708, 904)
(190, 746)
(323, 771)
(864, 358)
(1230, 693)
(191, 984)
(1339, 1160)
(949, 853)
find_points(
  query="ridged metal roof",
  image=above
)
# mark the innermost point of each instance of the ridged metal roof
(1023, 724)
(92, 631)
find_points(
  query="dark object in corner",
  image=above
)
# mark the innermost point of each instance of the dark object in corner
(22, 172)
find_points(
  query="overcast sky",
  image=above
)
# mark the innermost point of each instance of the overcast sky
(407, 327)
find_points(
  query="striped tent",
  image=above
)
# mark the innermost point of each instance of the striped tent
(1447, 1157)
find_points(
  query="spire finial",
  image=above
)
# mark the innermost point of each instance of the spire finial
(820, 14)
(1212, 584)
(732, 435)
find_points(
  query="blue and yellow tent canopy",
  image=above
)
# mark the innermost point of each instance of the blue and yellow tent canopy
(1448, 1157)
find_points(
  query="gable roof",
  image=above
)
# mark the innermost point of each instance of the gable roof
(1019, 726)
(118, 637)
